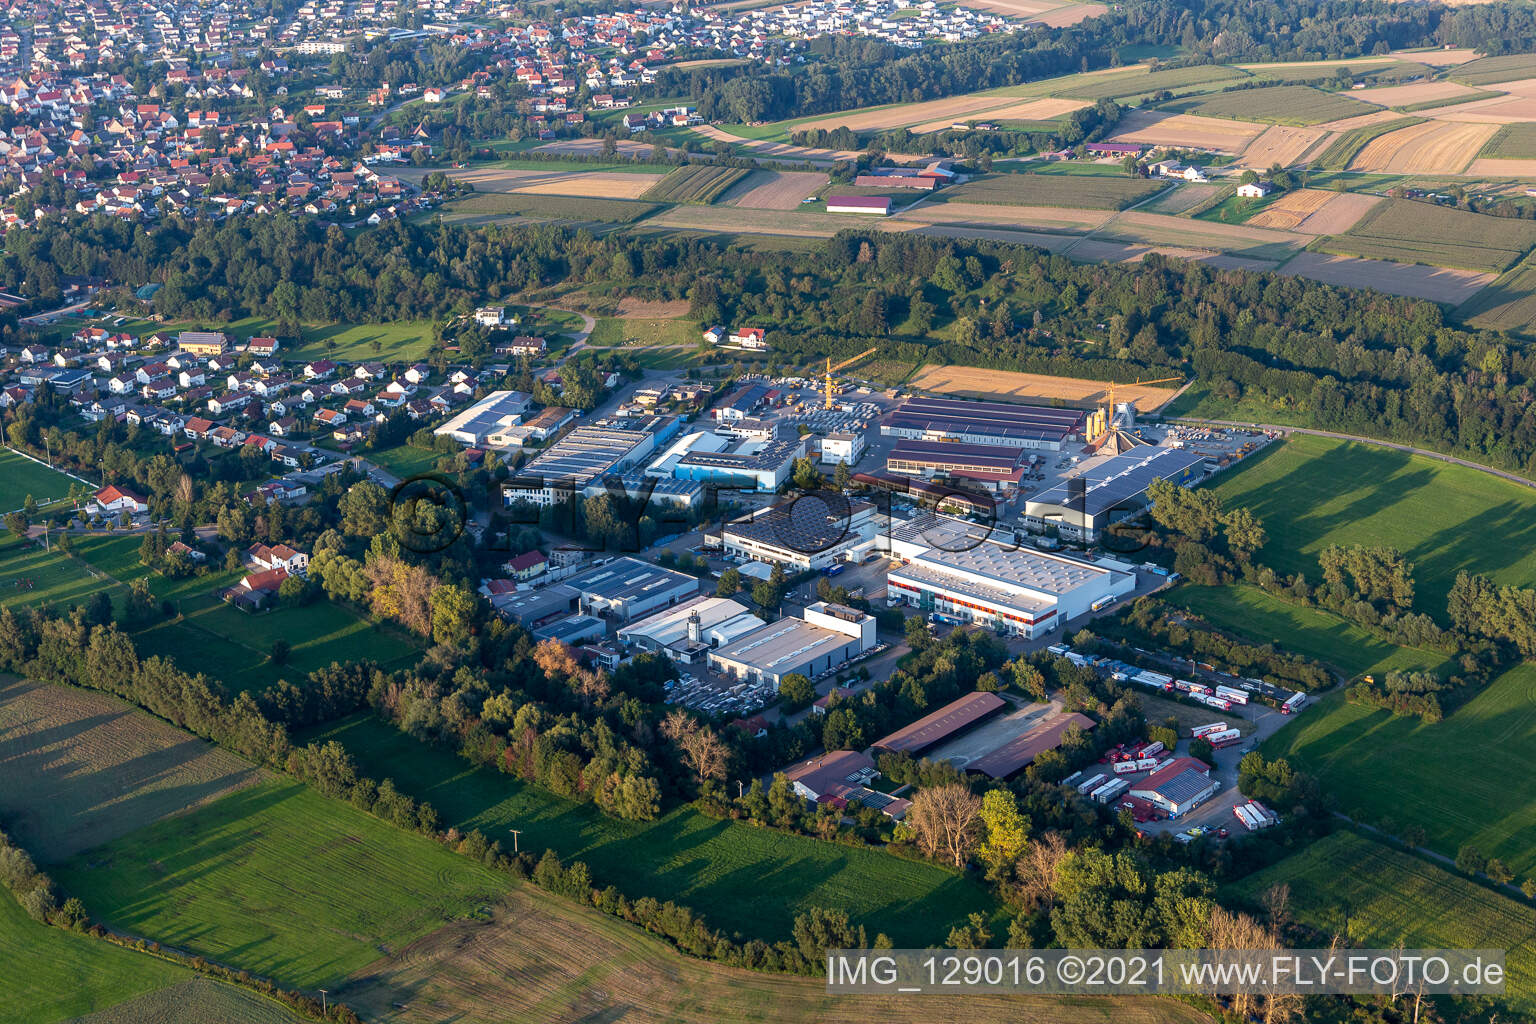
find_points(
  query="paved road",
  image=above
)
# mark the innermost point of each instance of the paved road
(1283, 429)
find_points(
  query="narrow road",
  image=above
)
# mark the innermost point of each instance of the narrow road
(1283, 429)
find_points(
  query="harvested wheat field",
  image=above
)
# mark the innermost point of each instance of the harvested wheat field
(1291, 209)
(495, 179)
(595, 185)
(1339, 214)
(774, 190)
(1345, 124)
(903, 115)
(1314, 211)
(1497, 110)
(1438, 58)
(542, 959)
(1434, 147)
(1437, 284)
(1417, 92)
(1005, 385)
(82, 768)
(779, 150)
(1282, 144)
(1188, 131)
(1030, 110)
(1239, 239)
(1499, 167)
(1046, 217)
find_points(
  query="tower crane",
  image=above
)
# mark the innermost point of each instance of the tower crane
(832, 369)
(1109, 412)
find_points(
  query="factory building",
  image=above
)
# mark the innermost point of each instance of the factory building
(959, 571)
(627, 588)
(993, 467)
(932, 729)
(496, 413)
(830, 635)
(688, 632)
(751, 466)
(842, 447)
(578, 461)
(1082, 507)
(990, 423)
(811, 531)
(1179, 787)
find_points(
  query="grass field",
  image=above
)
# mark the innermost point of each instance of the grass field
(1314, 491)
(485, 207)
(695, 183)
(614, 331)
(30, 576)
(1411, 232)
(1491, 70)
(739, 877)
(84, 768)
(279, 880)
(1513, 142)
(1464, 780)
(1348, 145)
(20, 476)
(1392, 898)
(196, 1001)
(392, 342)
(118, 556)
(1278, 104)
(1314, 634)
(404, 460)
(1086, 192)
(232, 646)
(47, 974)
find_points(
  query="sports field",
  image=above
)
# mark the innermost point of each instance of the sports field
(737, 876)
(197, 1001)
(1394, 898)
(82, 768)
(20, 476)
(1463, 780)
(48, 974)
(279, 880)
(1311, 492)
(1093, 193)
(1308, 632)
(30, 576)
(1412, 232)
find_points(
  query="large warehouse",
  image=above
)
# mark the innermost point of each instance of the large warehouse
(932, 729)
(1179, 787)
(811, 531)
(994, 467)
(830, 635)
(577, 462)
(627, 588)
(689, 631)
(958, 570)
(990, 423)
(1082, 507)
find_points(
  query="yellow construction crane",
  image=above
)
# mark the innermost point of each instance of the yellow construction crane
(832, 369)
(1109, 411)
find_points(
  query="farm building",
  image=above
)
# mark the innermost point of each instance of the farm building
(828, 636)
(1082, 507)
(1120, 149)
(934, 728)
(991, 466)
(956, 569)
(1254, 190)
(627, 588)
(988, 423)
(809, 532)
(1180, 787)
(876, 205)
(688, 632)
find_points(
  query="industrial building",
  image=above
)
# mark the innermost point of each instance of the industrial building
(841, 777)
(576, 463)
(933, 729)
(688, 632)
(1082, 507)
(994, 467)
(989, 423)
(1016, 754)
(680, 494)
(960, 571)
(573, 630)
(751, 466)
(830, 635)
(743, 402)
(494, 413)
(1179, 787)
(811, 531)
(842, 447)
(627, 588)
(665, 464)
(534, 607)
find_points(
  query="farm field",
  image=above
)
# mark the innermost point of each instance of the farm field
(1092, 193)
(1183, 199)
(1512, 141)
(1356, 134)
(1394, 897)
(1415, 93)
(1234, 239)
(196, 1001)
(1005, 385)
(1043, 218)
(1279, 104)
(1311, 492)
(1438, 284)
(1314, 634)
(1413, 773)
(904, 115)
(716, 219)
(1044, 109)
(20, 476)
(232, 647)
(281, 881)
(486, 207)
(1508, 304)
(541, 959)
(597, 185)
(1281, 144)
(1411, 232)
(1492, 70)
(48, 974)
(740, 878)
(1188, 131)
(84, 768)
(1432, 147)
(774, 190)
(615, 331)
(1291, 209)
(695, 183)
(1114, 86)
